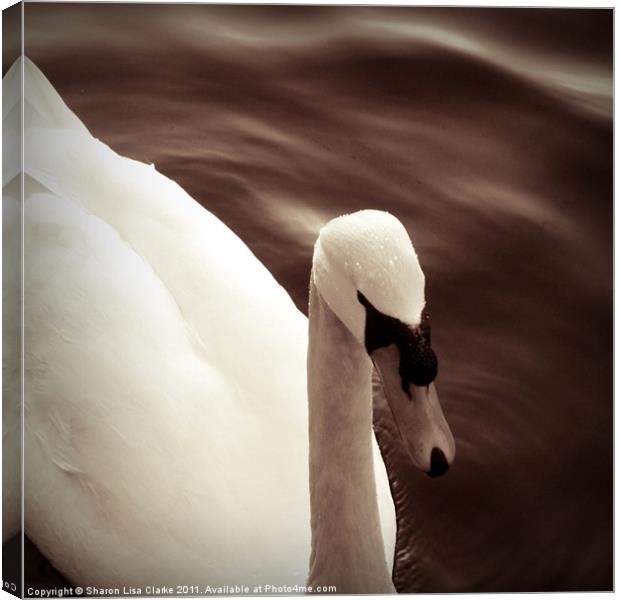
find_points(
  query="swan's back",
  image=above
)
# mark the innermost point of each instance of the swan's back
(165, 385)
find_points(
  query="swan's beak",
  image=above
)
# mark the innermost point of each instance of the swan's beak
(418, 415)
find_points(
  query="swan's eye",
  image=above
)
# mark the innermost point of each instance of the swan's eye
(381, 330)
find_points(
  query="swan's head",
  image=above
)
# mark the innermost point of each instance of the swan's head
(366, 270)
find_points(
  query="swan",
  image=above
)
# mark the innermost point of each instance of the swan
(184, 423)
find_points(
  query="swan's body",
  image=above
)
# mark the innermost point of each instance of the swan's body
(166, 405)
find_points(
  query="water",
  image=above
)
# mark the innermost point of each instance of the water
(489, 134)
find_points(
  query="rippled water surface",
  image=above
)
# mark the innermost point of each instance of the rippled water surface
(489, 134)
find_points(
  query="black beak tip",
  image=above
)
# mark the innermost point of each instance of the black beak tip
(439, 464)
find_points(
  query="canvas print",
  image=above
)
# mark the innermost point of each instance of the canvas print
(306, 299)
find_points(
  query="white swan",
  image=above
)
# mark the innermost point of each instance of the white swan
(170, 430)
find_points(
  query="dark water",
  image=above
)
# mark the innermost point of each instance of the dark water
(489, 134)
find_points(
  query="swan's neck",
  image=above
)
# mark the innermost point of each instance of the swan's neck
(347, 546)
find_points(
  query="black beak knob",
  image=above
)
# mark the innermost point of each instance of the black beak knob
(439, 464)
